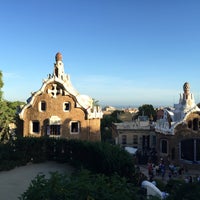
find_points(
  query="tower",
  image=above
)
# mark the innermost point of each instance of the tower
(59, 67)
(187, 99)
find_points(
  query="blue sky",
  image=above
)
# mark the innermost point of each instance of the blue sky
(120, 52)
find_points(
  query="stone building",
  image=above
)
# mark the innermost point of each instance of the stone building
(58, 110)
(138, 134)
(178, 132)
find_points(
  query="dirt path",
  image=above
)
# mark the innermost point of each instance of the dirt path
(14, 182)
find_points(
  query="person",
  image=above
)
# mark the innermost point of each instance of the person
(150, 169)
(162, 170)
(171, 168)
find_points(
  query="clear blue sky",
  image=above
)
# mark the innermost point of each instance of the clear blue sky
(120, 52)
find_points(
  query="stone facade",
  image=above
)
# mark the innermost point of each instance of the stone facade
(139, 134)
(178, 132)
(58, 110)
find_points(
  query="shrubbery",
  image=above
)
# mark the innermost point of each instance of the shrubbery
(81, 186)
(110, 168)
(95, 156)
(180, 190)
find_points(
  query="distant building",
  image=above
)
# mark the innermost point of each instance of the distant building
(139, 134)
(178, 132)
(107, 110)
(58, 110)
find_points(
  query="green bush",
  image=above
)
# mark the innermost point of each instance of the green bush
(81, 186)
(95, 156)
(102, 158)
(29, 149)
(180, 190)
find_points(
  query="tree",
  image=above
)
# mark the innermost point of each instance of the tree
(8, 114)
(147, 110)
(106, 125)
(3, 112)
(1, 86)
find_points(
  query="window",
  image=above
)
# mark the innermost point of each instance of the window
(135, 139)
(66, 106)
(54, 130)
(42, 106)
(163, 146)
(74, 127)
(123, 139)
(35, 127)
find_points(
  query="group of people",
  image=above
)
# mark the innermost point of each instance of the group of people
(162, 170)
(156, 170)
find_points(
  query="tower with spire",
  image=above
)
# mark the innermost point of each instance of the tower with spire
(178, 132)
(59, 67)
(187, 99)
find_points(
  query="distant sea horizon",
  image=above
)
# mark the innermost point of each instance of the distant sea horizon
(117, 106)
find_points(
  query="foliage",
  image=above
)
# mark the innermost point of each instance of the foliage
(95, 156)
(101, 158)
(1, 85)
(147, 110)
(13, 108)
(106, 125)
(113, 166)
(180, 190)
(6, 160)
(82, 186)
(4, 116)
(8, 115)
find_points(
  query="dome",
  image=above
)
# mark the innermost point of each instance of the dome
(58, 57)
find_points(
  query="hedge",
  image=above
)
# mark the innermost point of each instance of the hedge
(97, 157)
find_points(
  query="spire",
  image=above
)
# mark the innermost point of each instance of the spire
(59, 67)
